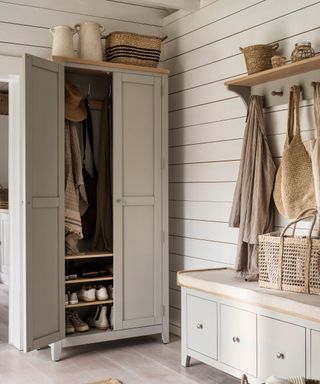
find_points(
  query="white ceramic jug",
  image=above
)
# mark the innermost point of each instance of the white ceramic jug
(90, 46)
(62, 44)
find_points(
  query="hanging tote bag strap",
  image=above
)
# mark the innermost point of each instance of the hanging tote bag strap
(316, 107)
(293, 128)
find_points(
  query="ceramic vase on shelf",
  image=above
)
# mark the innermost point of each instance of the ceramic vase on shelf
(90, 46)
(62, 44)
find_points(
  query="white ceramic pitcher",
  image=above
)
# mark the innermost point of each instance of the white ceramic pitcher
(90, 46)
(62, 44)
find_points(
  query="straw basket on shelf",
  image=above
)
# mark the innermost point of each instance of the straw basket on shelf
(258, 57)
(132, 48)
(291, 263)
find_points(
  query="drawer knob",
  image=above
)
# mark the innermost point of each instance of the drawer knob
(280, 355)
(199, 326)
(236, 339)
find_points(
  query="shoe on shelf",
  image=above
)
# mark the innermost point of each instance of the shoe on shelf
(101, 293)
(79, 325)
(87, 294)
(73, 298)
(110, 291)
(66, 299)
(69, 326)
(102, 321)
(91, 319)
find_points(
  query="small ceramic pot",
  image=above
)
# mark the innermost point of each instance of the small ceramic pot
(278, 61)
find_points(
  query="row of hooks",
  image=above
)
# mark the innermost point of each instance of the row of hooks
(280, 93)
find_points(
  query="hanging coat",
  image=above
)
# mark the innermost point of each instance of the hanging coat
(252, 209)
(75, 195)
(103, 238)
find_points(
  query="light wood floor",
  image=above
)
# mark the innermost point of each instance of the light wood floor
(143, 360)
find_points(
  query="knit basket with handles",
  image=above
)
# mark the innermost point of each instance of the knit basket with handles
(291, 263)
(258, 57)
(132, 48)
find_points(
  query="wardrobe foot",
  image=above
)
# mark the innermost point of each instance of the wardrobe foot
(56, 349)
(185, 362)
(165, 337)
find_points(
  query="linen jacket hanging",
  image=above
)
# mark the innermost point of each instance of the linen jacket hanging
(252, 202)
(76, 201)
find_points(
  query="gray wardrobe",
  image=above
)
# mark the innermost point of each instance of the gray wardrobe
(140, 201)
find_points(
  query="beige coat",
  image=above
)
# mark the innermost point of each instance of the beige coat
(252, 202)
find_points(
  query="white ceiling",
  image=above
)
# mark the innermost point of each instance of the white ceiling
(169, 6)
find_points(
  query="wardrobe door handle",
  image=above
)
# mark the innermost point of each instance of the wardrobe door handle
(280, 355)
(236, 339)
(118, 201)
(199, 326)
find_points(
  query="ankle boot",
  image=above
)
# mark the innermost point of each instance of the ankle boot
(102, 320)
(91, 319)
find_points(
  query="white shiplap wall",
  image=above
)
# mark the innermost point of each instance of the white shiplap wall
(24, 24)
(207, 121)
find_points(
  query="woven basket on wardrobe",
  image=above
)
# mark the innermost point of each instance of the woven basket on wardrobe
(290, 263)
(132, 48)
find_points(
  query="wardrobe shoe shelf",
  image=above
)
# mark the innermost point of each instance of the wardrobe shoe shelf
(88, 303)
(89, 280)
(88, 255)
(279, 80)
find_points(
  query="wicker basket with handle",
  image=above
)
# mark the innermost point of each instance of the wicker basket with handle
(132, 48)
(258, 57)
(291, 263)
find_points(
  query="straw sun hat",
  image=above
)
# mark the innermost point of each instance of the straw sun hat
(75, 109)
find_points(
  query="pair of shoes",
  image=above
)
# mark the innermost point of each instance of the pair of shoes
(71, 298)
(74, 323)
(93, 293)
(71, 271)
(99, 320)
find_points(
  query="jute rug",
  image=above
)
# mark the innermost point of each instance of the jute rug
(108, 381)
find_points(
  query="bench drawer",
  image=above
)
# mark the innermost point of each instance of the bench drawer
(202, 326)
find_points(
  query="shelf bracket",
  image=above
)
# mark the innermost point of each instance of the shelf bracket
(243, 91)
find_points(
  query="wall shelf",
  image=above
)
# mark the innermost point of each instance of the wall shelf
(279, 80)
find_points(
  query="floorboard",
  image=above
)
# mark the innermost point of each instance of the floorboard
(133, 361)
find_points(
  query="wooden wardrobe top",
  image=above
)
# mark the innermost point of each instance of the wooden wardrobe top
(107, 64)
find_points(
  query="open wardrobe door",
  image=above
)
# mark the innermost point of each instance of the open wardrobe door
(44, 87)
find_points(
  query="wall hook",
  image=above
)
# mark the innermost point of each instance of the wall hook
(277, 93)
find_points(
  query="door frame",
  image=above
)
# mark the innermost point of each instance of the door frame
(11, 71)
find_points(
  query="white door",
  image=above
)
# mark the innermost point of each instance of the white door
(4, 247)
(137, 200)
(44, 85)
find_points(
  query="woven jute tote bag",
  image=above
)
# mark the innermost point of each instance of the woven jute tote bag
(291, 263)
(294, 185)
